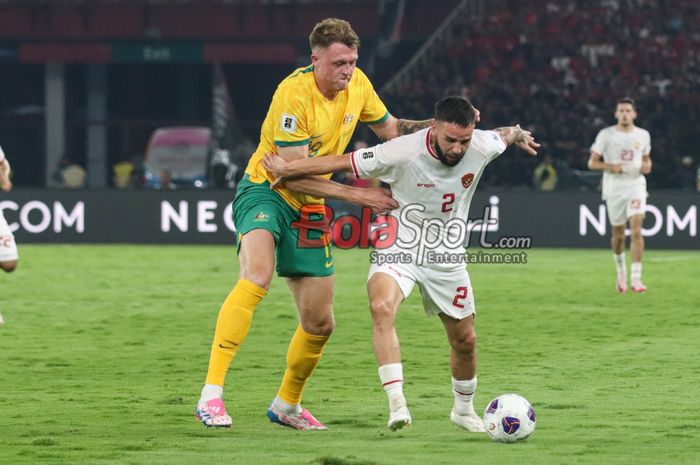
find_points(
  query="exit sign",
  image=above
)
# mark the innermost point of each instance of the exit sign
(157, 53)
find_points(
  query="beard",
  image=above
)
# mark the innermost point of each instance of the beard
(443, 158)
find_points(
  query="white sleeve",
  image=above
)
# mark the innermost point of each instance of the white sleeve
(384, 161)
(2, 154)
(496, 145)
(647, 148)
(600, 143)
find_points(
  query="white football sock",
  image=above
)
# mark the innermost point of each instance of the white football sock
(636, 271)
(464, 395)
(284, 407)
(391, 376)
(620, 263)
(211, 391)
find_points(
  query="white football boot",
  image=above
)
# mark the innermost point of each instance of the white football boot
(470, 421)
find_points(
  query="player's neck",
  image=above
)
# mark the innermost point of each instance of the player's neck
(625, 128)
(327, 92)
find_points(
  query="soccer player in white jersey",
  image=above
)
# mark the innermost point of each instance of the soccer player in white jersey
(433, 174)
(8, 247)
(621, 152)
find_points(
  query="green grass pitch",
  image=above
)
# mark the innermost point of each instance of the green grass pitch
(104, 349)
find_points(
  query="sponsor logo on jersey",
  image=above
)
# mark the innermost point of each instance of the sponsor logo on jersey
(261, 217)
(467, 180)
(368, 155)
(426, 185)
(288, 123)
(348, 118)
(627, 155)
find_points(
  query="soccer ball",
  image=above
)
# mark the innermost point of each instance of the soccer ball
(509, 418)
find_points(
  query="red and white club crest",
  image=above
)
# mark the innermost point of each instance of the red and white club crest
(467, 180)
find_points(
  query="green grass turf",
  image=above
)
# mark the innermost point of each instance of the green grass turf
(105, 348)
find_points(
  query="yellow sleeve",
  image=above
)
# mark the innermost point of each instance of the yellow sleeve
(289, 117)
(374, 111)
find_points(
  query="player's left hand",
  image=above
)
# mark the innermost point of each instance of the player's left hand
(527, 141)
(5, 185)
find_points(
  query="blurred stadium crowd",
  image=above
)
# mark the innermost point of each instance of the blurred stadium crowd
(558, 68)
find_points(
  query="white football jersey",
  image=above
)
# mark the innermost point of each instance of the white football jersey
(2, 154)
(425, 188)
(628, 149)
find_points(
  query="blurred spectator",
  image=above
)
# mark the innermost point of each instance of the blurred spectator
(545, 178)
(123, 174)
(686, 174)
(69, 174)
(165, 180)
(223, 170)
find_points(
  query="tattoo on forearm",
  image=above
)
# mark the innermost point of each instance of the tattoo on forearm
(511, 134)
(407, 126)
(504, 133)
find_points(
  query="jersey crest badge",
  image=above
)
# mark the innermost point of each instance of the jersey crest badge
(467, 180)
(348, 118)
(288, 123)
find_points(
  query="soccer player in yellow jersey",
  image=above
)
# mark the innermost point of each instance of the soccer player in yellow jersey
(313, 114)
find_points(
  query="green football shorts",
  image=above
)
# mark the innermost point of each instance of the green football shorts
(302, 247)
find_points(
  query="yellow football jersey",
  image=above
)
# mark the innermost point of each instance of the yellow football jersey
(300, 115)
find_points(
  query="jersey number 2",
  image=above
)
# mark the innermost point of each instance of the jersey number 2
(449, 199)
(461, 294)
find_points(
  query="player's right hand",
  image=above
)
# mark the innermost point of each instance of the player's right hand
(274, 164)
(378, 200)
(5, 185)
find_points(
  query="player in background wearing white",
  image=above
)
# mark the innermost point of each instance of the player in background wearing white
(8, 247)
(436, 169)
(621, 152)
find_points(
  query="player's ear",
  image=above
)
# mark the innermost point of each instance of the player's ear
(314, 56)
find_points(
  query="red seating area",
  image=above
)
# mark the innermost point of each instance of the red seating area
(559, 67)
(188, 20)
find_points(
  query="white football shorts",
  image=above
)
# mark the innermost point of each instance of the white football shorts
(8, 246)
(625, 205)
(444, 288)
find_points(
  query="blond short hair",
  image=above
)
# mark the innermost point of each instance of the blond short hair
(332, 30)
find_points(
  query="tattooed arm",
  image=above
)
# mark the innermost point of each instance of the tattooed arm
(407, 126)
(520, 137)
(394, 127)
